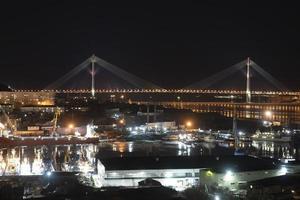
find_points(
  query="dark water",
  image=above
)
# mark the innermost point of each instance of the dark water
(40, 159)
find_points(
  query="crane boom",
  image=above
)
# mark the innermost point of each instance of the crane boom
(10, 124)
(56, 115)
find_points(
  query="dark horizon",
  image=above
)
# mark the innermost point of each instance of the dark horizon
(170, 45)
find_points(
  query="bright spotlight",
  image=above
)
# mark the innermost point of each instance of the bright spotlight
(283, 170)
(48, 173)
(228, 176)
(217, 197)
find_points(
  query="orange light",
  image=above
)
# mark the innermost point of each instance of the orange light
(188, 123)
(268, 113)
(71, 126)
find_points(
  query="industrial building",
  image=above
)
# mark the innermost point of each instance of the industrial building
(186, 171)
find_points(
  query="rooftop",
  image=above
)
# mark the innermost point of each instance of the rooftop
(218, 164)
(286, 180)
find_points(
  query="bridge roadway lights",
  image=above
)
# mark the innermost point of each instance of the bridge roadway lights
(286, 93)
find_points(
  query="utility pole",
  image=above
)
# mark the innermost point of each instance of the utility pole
(248, 92)
(93, 60)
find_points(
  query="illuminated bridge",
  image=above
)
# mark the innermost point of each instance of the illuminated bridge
(162, 91)
(198, 97)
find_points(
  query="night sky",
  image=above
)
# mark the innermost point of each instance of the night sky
(171, 45)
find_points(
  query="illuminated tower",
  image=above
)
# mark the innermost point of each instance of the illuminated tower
(248, 92)
(93, 60)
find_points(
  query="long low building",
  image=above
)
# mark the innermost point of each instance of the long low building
(284, 105)
(183, 171)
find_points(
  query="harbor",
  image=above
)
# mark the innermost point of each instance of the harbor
(196, 101)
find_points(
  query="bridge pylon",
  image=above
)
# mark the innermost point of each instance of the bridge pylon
(93, 61)
(248, 91)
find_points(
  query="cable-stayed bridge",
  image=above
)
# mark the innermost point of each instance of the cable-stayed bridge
(138, 85)
(129, 79)
(247, 100)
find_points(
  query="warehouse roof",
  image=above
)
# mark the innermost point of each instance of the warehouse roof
(218, 164)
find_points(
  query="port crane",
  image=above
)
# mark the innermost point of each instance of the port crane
(10, 124)
(56, 115)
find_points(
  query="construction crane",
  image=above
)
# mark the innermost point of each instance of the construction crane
(56, 115)
(10, 124)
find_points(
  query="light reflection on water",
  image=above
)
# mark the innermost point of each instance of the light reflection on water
(40, 159)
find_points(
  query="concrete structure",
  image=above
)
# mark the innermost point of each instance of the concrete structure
(7, 107)
(281, 187)
(186, 171)
(284, 113)
(248, 91)
(28, 97)
(93, 61)
(178, 179)
(235, 181)
(48, 109)
(130, 171)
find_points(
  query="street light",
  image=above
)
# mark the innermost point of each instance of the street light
(122, 121)
(189, 124)
(48, 173)
(71, 126)
(268, 114)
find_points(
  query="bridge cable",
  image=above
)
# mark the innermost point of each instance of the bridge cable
(218, 76)
(134, 80)
(268, 76)
(56, 84)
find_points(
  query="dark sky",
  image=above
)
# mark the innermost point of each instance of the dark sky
(172, 45)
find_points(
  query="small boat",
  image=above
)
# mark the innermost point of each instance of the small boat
(271, 137)
(245, 139)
